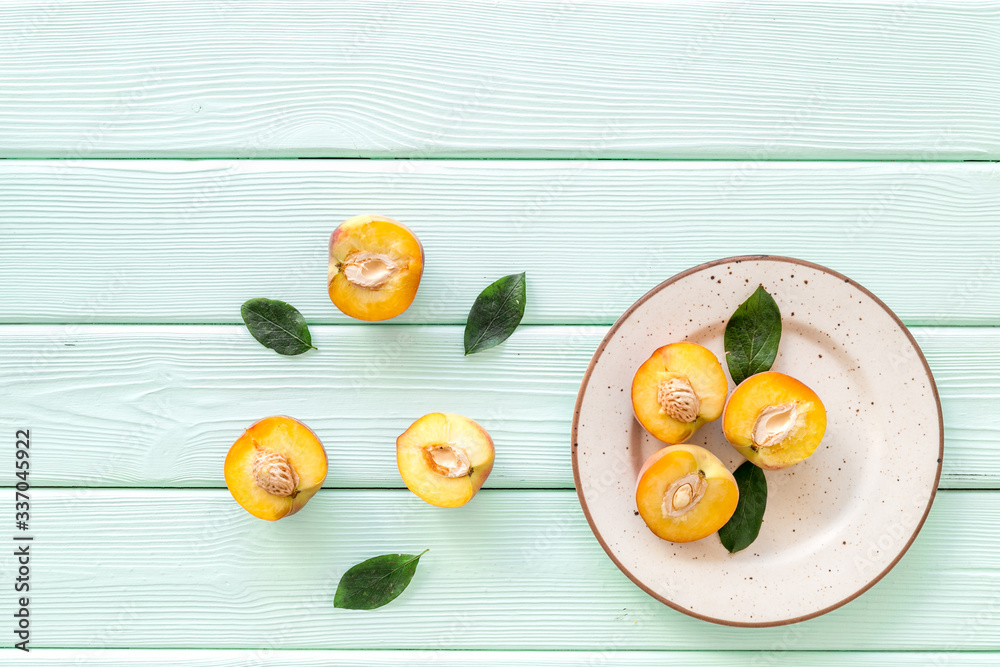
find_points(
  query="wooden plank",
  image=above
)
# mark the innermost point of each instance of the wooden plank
(376, 658)
(771, 79)
(512, 570)
(188, 242)
(160, 405)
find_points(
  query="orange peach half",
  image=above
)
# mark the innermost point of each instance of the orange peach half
(444, 458)
(275, 467)
(685, 493)
(375, 267)
(774, 420)
(677, 390)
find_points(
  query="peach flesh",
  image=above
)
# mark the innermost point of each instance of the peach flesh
(275, 467)
(444, 458)
(774, 420)
(680, 388)
(375, 266)
(684, 493)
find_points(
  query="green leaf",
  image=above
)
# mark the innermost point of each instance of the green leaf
(752, 336)
(496, 313)
(277, 325)
(376, 581)
(744, 526)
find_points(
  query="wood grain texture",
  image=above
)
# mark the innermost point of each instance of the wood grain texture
(160, 405)
(513, 569)
(188, 242)
(376, 658)
(776, 79)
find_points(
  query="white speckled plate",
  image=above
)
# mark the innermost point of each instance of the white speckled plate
(835, 523)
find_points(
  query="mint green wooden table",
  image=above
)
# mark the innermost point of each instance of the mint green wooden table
(635, 139)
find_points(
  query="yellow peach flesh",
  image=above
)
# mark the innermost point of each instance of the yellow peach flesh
(444, 458)
(684, 493)
(774, 420)
(275, 442)
(677, 390)
(375, 267)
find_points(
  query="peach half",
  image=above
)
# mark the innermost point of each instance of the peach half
(375, 267)
(774, 420)
(444, 458)
(275, 467)
(678, 389)
(685, 493)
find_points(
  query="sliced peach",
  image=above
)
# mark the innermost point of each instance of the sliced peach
(685, 493)
(275, 467)
(444, 458)
(678, 389)
(774, 420)
(375, 267)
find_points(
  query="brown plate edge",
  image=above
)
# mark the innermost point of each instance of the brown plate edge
(606, 340)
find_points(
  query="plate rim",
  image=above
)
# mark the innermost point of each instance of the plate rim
(607, 338)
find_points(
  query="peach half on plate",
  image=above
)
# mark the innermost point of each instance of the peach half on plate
(677, 390)
(275, 467)
(444, 458)
(685, 493)
(375, 267)
(774, 420)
